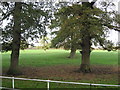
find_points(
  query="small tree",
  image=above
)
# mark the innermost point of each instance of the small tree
(44, 41)
(68, 42)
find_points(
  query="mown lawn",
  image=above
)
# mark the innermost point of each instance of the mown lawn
(54, 57)
(38, 58)
(43, 85)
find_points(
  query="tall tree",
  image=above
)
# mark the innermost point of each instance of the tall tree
(16, 39)
(86, 42)
(26, 21)
(88, 24)
(107, 23)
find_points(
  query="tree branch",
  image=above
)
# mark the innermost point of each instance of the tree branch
(93, 2)
(116, 28)
(88, 4)
(5, 16)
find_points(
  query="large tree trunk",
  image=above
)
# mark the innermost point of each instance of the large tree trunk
(13, 70)
(73, 52)
(85, 62)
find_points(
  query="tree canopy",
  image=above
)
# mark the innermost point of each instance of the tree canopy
(73, 22)
(84, 25)
(26, 21)
(33, 23)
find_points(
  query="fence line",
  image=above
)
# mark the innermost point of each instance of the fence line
(48, 82)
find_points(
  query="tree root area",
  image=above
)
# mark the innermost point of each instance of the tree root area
(69, 73)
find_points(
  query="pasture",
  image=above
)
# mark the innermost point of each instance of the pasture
(53, 64)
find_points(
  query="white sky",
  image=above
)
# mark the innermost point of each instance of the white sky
(114, 34)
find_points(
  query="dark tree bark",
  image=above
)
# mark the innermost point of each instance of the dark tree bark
(73, 52)
(73, 47)
(85, 62)
(13, 70)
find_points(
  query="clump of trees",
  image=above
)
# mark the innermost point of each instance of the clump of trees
(79, 26)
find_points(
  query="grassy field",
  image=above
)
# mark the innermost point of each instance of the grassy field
(57, 57)
(38, 58)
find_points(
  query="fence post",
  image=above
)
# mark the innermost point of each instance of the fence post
(48, 84)
(90, 86)
(13, 83)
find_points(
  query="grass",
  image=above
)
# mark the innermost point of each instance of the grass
(41, 58)
(38, 58)
(34, 84)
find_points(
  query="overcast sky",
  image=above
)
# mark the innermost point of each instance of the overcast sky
(114, 34)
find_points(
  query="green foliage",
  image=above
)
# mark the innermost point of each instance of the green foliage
(76, 22)
(7, 46)
(33, 22)
(44, 42)
(117, 18)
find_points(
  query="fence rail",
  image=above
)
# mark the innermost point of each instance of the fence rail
(48, 82)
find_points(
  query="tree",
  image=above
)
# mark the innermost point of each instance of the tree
(89, 25)
(66, 36)
(27, 20)
(66, 40)
(106, 23)
(86, 41)
(16, 39)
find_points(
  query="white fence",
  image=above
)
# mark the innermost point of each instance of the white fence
(48, 82)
